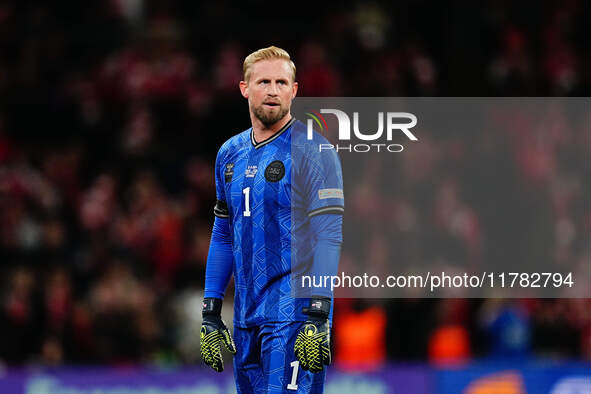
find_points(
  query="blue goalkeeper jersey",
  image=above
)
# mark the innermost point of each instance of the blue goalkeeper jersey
(268, 191)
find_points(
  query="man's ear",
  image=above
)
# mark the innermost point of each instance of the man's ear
(244, 89)
(294, 90)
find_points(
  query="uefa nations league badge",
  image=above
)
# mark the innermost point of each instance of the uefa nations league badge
(275, 171)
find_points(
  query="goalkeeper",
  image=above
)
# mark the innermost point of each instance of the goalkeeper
(278, 201)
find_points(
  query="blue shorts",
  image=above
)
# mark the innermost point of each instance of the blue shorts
(265, 362)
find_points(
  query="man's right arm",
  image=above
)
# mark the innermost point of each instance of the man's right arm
(217, 275)
(219, 258)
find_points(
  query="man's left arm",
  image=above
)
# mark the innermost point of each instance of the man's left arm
(328, 237)
(325, 201)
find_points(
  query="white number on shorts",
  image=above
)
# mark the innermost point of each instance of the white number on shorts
(294, 376)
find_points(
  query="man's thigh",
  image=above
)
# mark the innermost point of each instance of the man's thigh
(265, 362)
(248, 370)
(281, 369)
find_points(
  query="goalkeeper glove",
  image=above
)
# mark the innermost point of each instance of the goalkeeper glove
(312, 345)
(213, 333)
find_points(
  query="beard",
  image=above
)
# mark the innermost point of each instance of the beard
(269, 116)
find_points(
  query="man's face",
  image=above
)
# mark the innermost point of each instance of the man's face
(269, 90)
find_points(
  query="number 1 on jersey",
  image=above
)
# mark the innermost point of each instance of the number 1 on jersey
(246, 192)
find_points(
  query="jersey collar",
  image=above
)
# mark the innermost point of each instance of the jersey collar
(271, 138)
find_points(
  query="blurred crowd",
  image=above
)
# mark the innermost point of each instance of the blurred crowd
(112, 111)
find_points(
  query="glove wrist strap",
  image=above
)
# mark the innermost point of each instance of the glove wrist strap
(319, 307)
(212, 307)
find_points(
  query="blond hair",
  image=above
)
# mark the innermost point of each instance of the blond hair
(268, 53)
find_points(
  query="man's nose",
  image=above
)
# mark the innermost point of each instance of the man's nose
(273, 89)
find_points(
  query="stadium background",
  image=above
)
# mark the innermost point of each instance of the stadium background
(111, 113)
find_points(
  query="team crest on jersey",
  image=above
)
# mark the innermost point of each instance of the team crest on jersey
(275, 171)
(229, 172)
(251, 171)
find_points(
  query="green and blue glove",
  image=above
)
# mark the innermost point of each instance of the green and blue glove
(312, 345)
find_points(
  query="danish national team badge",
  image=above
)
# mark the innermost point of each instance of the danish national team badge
(275, 171)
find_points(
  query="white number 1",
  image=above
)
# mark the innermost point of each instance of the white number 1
(294, 376)
(246, 193)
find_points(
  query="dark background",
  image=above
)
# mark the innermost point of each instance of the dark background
(111, 113)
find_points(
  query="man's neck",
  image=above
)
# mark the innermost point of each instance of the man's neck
(262, 132)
